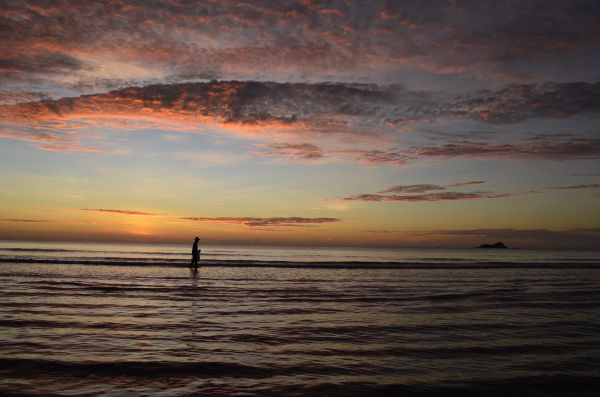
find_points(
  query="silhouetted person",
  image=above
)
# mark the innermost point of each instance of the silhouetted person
(195, 254)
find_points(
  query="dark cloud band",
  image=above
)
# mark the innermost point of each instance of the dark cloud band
(266, 102)
(260, 222)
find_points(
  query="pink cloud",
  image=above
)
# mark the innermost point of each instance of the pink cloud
(66, 147)
(51, 141)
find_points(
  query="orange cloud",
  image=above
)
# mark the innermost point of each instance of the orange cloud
(124, 212)
(18, 220)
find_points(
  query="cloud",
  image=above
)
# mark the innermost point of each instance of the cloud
(18, 220)
(68, 147)
(310, 152)
(259, 103)
(248, 108)
(249, 102)
(88, 222)
(575, 187)
(532, 149)
(466, 183)
(518, 102)
(51, 140)
(444, 196)
(547, 149)
(375, 156)
(423, 192)
(298, 151)
(426, 187)
(317, 40)
(423, 188)
(379, 231)
(15, 96)
(588, 174)
(124, 212)
(307, 112)
(42, 62)
(260, 222)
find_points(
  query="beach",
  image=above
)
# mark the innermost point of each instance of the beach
(85, 328)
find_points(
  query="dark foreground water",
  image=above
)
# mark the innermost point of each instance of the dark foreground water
(109, 329)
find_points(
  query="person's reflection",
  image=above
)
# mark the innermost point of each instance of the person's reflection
(194, 275)
(193, 313)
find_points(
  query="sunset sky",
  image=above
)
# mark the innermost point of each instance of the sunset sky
(360, 123)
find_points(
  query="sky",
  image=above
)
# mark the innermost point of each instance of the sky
(342, 123)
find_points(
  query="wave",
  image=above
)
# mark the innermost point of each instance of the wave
(530, 386)
(153, 369)
(499, 385)
(162, 262)
(133, 368)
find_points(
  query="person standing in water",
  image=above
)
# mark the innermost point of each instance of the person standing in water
(195, 254)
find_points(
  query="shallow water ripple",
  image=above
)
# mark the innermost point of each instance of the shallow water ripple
(102, 330)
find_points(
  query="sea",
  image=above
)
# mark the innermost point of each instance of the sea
(134, 320)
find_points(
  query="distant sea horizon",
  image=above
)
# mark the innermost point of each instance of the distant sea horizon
(209, 242)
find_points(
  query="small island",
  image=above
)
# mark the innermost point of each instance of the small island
(499, 244)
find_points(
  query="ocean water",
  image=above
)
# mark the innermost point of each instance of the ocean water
(100, 319)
